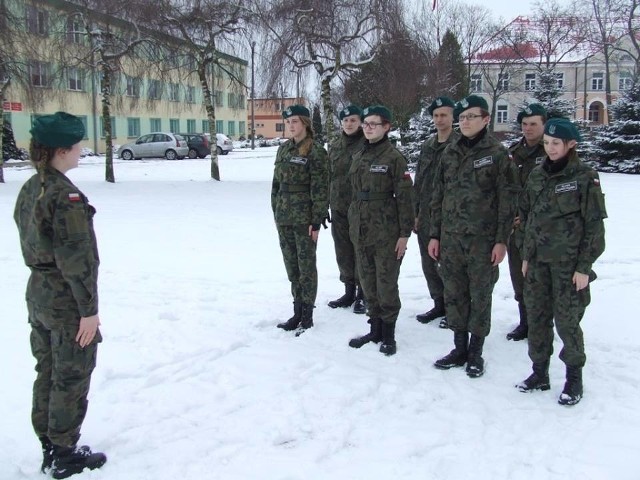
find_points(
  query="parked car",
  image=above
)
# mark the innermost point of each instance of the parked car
(156, 144)
(224, 144)
(198, 144)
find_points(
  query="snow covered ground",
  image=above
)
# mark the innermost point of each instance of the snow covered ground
(195, 382)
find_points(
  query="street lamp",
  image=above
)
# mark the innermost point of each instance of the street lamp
(253, 98)
(282, 107)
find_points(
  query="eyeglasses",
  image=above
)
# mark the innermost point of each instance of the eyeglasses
(468, 116)
(371, 124)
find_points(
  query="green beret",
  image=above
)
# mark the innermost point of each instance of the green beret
(531, 110)
(299, 110)
(562, 128)
(470, 102)
(381, 110)
(441, 102)
(59, 130)
(348, 111)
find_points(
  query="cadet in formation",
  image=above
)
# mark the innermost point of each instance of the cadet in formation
(441, 109)
(527, 153)
(563, 210)
(380, 221)
(55, 223)
(299, 203)
(340, 155)
(473, 208)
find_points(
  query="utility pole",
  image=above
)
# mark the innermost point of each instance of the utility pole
(253, 98)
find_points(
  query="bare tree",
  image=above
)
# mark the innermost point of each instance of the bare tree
(629, 14)
(499, 74)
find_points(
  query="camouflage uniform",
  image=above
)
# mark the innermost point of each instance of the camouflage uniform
(340, 154)
(564, 234)
(381, 212)
(473, 207)
(59, 247)
(299, 199)
(430, 154)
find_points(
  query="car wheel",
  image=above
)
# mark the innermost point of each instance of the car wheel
(219, 150)
(126, 155)
(170, 155)
(193, 153)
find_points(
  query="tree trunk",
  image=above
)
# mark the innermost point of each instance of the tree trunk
(210, 106)
(327, 106)
(106, 121)
(3, 91)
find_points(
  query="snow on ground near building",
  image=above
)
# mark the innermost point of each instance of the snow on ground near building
(195, 382)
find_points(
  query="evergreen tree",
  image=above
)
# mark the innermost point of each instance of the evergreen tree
(451, 69)
(419, 129)
(617, 146)
(9, 148)
(549, 95)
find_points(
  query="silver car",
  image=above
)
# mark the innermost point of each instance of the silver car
(156, 144)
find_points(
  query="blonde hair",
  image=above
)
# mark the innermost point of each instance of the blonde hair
(305, 146)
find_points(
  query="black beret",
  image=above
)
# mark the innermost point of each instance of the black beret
(531, 110)
(441, 102)
(299, 110)
(381, 110)
(562, 128)
(350, 110)
(59, 130)
(470, 102)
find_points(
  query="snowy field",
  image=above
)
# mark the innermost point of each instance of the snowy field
(195, 382)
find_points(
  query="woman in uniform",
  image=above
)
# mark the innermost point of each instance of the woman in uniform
(299, 203)
(562, 209)
(380, 222)
(55, 223)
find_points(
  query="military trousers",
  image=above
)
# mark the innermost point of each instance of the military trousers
(469, 278)
(299, 254)
(551, 296)
(345, 252)
(378, 271)
(429, 266)
(63, 374)
(515, 269)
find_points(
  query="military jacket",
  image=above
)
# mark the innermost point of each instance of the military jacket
(563, 215)
(58, 244)
(475, 191)
(341, 153)
(299, 191)
(381, 210)
(430, 155)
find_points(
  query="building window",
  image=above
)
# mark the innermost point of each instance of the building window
(133, 87)
(231, 100)
(219, 126)
(155, 124)
(597, 81)
(241, 102)
(594, 112)
(133, 127)
(155, 89)
(174, 92)
(502, 114)
(205, 126)
(103, 133)
(503, 82)
(219, 97)
(75, 30)
(39, 74)
(232, 128)
(190, 95)
(191, 125)
(75, 78)
(242, 128)
(279, 127)
(37, 21)
(529, 82)
(174, 125)
(560, 80)
(625, 81)
(476, 82)
(83, 119)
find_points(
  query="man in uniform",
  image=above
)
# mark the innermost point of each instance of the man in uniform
(441, 109)
(472, 211)
(526, 154)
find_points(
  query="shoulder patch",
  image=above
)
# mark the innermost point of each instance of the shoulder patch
(298, 160)
(483, 162)
(74, 197)
(379, 169)
(567, 187)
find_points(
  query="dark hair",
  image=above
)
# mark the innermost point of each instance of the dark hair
(40, 156)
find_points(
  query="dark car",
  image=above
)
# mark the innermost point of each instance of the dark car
(198, 145)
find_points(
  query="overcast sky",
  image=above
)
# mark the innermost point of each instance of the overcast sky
(507, 9)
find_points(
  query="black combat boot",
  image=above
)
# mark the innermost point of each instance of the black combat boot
(294, 321)
(68, 461)
(475, 362)
(347, 299)
(538, 380)
(522, 330)
(359, 306)
(443, 323)
(572, 392)
(306, 318)
(436, 312)
(458, 356)
(47, 454)
(388, 346)
(374, 335)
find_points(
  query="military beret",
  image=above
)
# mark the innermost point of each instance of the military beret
(381, 110)
(470, 102)
(58, 130)
(562, 128)
(441, 102)
(299, 110)
(348, 111)
(531, 110)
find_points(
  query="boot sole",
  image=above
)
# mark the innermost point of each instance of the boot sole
(448, 367)
(570, 401)
(94, 462)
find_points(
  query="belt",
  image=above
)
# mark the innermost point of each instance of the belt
(374, 195)
(294, 188)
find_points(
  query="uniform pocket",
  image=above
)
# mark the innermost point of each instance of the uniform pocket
(568, 202)
(484, 178)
